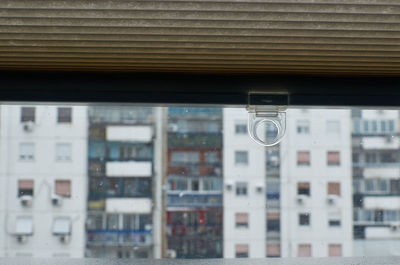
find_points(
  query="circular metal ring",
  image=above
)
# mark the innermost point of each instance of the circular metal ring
(279, 122)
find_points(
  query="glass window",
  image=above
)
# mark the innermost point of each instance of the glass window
(334, 219)
(383, 127)
(391, 126)
(366, 126)
(241, 188)
(304, 250)
(303, 188)
(63, 188)
(334, 188)
(241, 251)
(25, 187)
(63, 151)
(185, 157)
(303, 158)
(64, 115)
(303, 127)
(333, 158)
(112, 221)
(374, 126)
(241, 158)
(28, 114)
(357, 126)
(335, 250)
(241, 127)
(26, 151)
(273, 250)
(211, 157)
(242, 219)
(304, 219)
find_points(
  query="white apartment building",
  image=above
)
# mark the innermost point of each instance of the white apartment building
(244, 219)
(376, 182)
(316, 193)
(43, 168)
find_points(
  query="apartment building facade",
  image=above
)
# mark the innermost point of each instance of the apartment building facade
(244, 190)
(124, 179)
(43, 181)
(315, 156)
(194, 183)
(376, 182)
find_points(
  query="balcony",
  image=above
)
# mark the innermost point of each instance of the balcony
(206, 230)
(142, 134)
(196, 140)
(273, 204)
(129, 205)
(129, 169)
(194, 200)
(105, 237)
(101, 188)
(195, 169)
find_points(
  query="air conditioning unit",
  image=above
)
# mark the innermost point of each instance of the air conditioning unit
(56, 200)
(300, 199)
(331, 200)
(21, 239)
(259, 188)
(64, 239)
(395, 227)
(170, 254)
(28, 126)
(26, 200)
(229, 186)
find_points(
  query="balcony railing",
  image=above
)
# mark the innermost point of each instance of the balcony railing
(273, 203)
(198, 140)
(195, 169)
(119, 237)
(376, 164)
(194, 200)
(208, 230)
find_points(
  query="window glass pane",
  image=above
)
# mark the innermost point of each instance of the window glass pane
(64, 115)
(241, 157)
(27, 151)
(28, 114)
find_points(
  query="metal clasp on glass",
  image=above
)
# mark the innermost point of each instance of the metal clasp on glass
(268, 110)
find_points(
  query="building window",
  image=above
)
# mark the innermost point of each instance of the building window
(303, 127)
(211, 157)
(27, 114)
(27, 151)
(242, 220)
(273, 225)
(304, 250)
(371, 158)
(273, 250)
(63, 188)
(333, 158)
(185, 157)
(62, 226)
(303, 188)
(333, 127)
(25, 187)
(241, 189)
(303, 158)
(334, 188)
(24, 226)
(334, 219)
(63, 152)
(335, 250)
(242, 251)
(304, 219)
(241, 128)
(64, 115)
(241, 158)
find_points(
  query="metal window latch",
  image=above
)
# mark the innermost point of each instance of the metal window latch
(267, 109)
